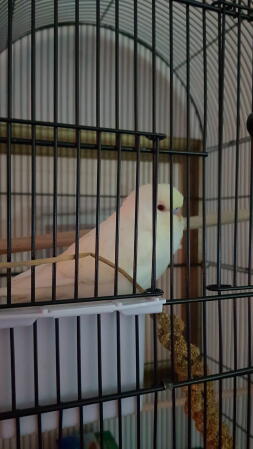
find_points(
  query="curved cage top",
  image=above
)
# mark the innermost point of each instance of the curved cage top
(170, 22)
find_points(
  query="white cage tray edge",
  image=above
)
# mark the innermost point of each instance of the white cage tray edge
(130, 306)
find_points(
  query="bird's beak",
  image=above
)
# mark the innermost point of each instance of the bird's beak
(177, 211)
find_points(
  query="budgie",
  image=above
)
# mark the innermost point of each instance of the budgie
(65, 270)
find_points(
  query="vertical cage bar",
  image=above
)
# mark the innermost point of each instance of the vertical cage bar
(235, 255)
(119, 380)
(154, 231)
(33, 167)
(204, 226)
(188, 191)
(118, 145)
(221, 68)
(155, 150)
(98, 145)
(237, 160)
(249, 402)
(117, 236)
(221, 72)
(55, 187)
(153, 282)
(117, 233)
(8, 158)
(55, 180)
(136, 212)
(77, 121)
(136, 223)
(171, 130)
(154, 210)
(100, 384)
(136, 103)
(79, 376)
(33, 209)
(9, 228)
(137, 145)
(98, 28)
(36, 382)
(18, 439)
(58, 375)
(13, 386)
(77, 218)
(137, 353)
(188, 235)
(137, 184)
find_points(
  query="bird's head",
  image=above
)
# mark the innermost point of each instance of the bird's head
(163, 207)
(166, 212)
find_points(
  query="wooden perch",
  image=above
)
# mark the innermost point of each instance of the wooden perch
(65, 239)
(226, 218)
(44, 241)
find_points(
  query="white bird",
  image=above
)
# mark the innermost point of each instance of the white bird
(65, 270)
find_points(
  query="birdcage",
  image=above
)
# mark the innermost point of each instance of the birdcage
(137, 328)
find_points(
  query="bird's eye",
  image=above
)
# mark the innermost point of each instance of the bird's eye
(161, 207)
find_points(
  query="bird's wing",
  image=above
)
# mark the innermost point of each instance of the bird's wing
(65, 281)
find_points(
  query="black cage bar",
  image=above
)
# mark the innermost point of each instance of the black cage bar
(117, 95)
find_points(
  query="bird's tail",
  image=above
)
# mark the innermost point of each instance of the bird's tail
(16, 295)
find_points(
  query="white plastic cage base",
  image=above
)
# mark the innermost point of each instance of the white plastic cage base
(13, 318)
(22, 319)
